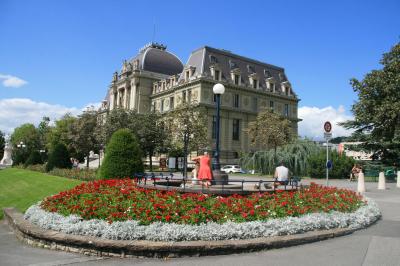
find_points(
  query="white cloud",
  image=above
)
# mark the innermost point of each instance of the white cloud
(314, 119)
(12, 81)
(17, 111)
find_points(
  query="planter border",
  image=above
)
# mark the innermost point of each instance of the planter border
(36, 236)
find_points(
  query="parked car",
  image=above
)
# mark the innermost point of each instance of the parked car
(232, 169)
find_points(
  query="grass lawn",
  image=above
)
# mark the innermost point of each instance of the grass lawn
(21, 188)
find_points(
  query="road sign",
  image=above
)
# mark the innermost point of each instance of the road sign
(327, 135)
(329, 164)
(327, 126)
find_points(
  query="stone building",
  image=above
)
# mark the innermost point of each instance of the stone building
(156, 80)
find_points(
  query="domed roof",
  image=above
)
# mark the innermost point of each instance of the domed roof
(156, 59)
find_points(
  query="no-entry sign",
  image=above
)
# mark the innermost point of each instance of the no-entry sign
(327, 126)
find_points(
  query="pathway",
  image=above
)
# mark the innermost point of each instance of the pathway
(377, 245)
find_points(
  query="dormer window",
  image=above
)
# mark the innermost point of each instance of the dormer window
(213, 59)
(253, 80)
(251, 69)
(237, 79)
(255, 83)
(286, 88)
(187, 75)
(267, 73)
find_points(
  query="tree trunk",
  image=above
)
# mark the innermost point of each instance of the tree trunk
(151, 161)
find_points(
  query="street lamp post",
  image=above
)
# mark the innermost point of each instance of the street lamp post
(219, 177)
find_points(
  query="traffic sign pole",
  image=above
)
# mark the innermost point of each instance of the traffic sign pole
(327, 160)
(327, 135)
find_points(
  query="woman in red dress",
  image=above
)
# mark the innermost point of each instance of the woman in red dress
(205, 174)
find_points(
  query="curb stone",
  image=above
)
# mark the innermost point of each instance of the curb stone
(95, 246)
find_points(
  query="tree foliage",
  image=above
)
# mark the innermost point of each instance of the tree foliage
(123, 156)
(269, 131)
(81, 133)
(295, 156)
(28, 134)
(187, 120)
(377, 112)
(2, 144)
(34, 158)
(60, 133)
(342, 165)
(58, 158)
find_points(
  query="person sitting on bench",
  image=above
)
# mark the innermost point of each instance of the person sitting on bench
(281, 175)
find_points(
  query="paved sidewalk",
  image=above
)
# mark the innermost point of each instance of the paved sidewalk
(377, 245)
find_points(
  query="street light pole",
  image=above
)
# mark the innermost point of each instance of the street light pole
(219, 177)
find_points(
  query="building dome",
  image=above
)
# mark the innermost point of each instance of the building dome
(156, 59)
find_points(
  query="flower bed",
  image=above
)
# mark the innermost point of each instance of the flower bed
(122, 200)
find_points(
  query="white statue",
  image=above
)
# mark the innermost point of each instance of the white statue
(7, 157)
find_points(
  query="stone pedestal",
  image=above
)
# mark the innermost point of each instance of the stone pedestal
(382, 181)
(361, 183)
(220, 177)
(398, 179)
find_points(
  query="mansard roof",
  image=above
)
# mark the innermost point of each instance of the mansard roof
(206, 57)
(155, 58)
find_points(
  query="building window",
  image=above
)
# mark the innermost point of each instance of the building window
(236, 128)
(214, 127)
(286, 110)
(272, 86)
(215, 98)
(255, 84)
(236, 100)
(171, 103)
(162, 106)
(216, 74)
(255, 104)
(183, 96)
(189, 96)
(237, 79)
(271, 105)
(153, 106)
(187, 75)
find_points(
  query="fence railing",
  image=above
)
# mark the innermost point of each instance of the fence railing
(241, 186)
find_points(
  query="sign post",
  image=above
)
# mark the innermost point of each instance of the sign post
(327, 136)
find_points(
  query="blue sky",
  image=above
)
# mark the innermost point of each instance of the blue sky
(66, 51)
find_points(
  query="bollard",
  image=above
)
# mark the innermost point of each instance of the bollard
(398, 178)
(382, 181)
(361, 183)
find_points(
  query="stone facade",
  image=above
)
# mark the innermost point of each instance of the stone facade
(250, 86)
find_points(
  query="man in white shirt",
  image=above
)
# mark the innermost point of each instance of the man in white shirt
(281, 175)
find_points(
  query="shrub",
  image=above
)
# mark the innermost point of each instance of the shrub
(75, 173)
(123, 156)
(295, 156)
(34, 158)
(341, 165)
(59, 158)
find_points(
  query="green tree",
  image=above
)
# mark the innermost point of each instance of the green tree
(81, 133)
(2, 144)
(187, 129)
(295, 156)
(151, 133)
(29, 136)
(60, 133)
(117, 118)
(269, 131)
(377, 111)
(341, 165)
(123, 156)
(34, 158)
(58, 158)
